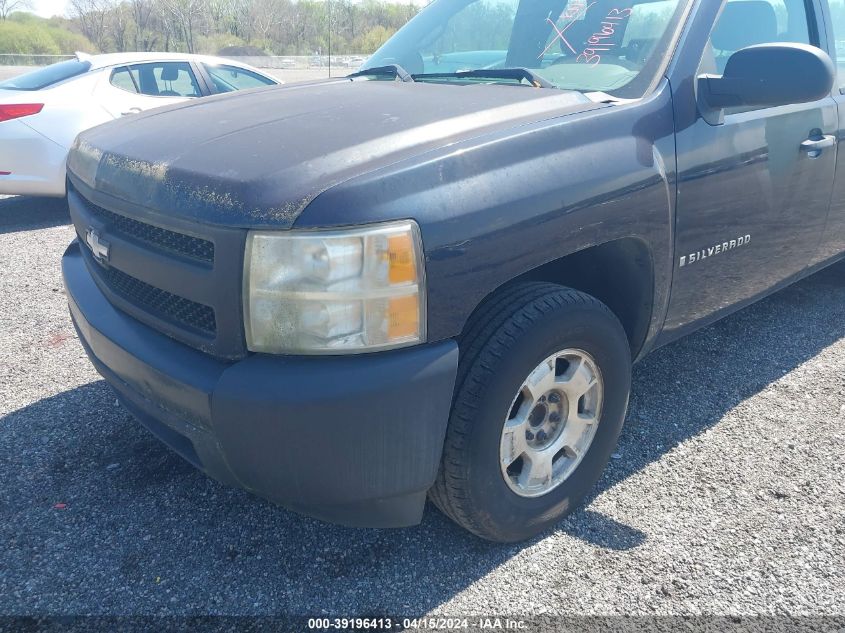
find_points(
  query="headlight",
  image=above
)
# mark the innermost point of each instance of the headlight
(334, 292)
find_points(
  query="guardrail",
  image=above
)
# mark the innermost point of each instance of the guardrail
(279, 62)
(282, 62)
(14, 59)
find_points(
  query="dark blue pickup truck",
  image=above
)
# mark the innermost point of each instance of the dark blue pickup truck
(430, 278)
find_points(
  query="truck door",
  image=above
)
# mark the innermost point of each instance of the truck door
(752, 200)
(833, 242)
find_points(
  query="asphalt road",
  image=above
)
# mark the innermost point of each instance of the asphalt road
(727, 495)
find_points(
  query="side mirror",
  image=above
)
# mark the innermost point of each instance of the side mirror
(769, 75)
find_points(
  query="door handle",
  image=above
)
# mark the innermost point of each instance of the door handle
(134, 110)
(814, 146)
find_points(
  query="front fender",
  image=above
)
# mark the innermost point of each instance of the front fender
(495, 207)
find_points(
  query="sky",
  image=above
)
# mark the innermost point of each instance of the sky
(49, 8)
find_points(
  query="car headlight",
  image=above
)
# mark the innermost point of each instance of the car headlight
(334, 292)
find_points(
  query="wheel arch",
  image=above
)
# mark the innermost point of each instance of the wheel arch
(619, 273)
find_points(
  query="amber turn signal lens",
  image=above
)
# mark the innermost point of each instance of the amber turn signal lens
(403, 317)
(401, 259)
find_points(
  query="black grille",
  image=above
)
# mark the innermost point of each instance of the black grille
(187, 245)
(183, 311)
(174, 275)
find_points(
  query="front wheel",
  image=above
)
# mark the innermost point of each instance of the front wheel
(542, 391)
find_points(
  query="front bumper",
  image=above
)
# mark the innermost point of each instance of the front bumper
(355, 440)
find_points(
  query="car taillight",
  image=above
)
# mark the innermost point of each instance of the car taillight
(17, 110)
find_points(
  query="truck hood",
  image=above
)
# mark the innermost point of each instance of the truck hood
(257, 159)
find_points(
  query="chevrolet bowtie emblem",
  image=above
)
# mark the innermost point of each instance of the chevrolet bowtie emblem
(99, 247)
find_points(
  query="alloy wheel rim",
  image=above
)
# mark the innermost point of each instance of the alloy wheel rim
(551, 423)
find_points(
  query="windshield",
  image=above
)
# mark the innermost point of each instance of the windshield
(612, 46)
(47, 76)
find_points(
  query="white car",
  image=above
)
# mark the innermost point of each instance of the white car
(41, 112)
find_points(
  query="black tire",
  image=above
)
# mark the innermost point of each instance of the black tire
(506, 339)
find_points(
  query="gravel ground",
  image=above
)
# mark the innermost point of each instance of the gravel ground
(727, 497)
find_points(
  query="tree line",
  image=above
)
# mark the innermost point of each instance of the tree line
(274, 27)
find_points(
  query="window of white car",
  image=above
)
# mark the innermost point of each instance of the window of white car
(47, 76)
(121, 78)
(231, 78)
(157, 79)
